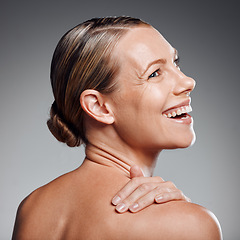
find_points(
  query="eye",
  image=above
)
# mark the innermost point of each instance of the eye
(155, 74)
(177, 62)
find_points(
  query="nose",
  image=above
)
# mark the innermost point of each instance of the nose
(183, 84)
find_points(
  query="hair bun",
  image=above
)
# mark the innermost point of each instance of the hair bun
(60, 129)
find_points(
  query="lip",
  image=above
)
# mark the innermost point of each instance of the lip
(182, 104)
(186, 120)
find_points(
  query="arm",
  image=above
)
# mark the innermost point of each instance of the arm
(141, 192)
(36, 219)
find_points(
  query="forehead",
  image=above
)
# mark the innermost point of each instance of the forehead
(142, 45)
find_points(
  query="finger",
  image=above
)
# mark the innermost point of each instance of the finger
(154, 196)
(148, 198)
(169, 184)
(131, 186)
(170, 196)
(136, 171)
(146, 191)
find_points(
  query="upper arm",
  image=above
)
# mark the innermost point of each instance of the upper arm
(28, 220)
(37, 218)
(20, 222)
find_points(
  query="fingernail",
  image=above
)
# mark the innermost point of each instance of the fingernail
(121, 207)
(133, 207)
(159, 198)
(116, 200)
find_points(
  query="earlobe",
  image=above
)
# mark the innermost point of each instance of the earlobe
(93, 104)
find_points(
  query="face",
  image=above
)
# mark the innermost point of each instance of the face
(153, 97)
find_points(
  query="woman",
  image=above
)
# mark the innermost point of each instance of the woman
(119, 90)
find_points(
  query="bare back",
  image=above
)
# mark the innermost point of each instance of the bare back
(77, 205)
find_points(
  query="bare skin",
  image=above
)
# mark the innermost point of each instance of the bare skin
(140, 192)
(124, 129)
(68, 208)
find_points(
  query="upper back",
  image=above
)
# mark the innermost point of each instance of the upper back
(78, 206)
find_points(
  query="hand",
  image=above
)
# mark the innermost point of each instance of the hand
(140, 192)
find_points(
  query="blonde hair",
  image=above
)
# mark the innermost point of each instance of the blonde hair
(82, 60)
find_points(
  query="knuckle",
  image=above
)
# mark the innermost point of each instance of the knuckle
(181, 194)
(159, 188)
(136, 180)
(178, 194)
(168, 190)
(159, 179)
(171, 184)
(144, 187)
(167, 196)
(145, 201)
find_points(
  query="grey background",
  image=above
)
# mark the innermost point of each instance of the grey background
(207, 38)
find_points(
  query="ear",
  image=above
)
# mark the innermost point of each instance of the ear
(94, 105)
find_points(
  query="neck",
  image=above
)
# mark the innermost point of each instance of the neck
(115, 153)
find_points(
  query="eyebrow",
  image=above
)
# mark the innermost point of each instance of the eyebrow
(160, 60)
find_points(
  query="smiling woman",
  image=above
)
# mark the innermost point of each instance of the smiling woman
(119, 90)
(151, 84)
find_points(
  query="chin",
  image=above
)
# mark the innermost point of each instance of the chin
(183, 142)
(188, 142)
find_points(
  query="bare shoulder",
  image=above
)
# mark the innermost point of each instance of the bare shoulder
(173, 221)
(192, 221)
(44, 212)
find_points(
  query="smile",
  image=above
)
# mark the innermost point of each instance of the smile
(178, 112)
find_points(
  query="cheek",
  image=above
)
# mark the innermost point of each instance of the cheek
(142, 104)
(153, 102)
(139, 116)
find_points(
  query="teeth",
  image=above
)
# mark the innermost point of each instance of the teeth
(178, 111)
(188, 109)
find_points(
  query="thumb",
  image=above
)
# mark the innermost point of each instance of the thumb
(136, 171)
